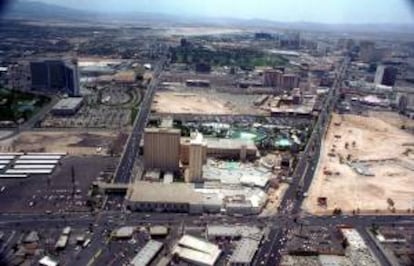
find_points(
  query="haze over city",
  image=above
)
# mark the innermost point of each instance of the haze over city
(321, 11)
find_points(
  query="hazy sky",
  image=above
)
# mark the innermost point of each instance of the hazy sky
(327, 11)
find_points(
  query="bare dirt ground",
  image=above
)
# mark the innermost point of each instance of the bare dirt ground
(72, 142)
(388, 152)
(173, 102)
(393, 118)
(204, 103)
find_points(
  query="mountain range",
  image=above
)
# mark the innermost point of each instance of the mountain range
(31, 10)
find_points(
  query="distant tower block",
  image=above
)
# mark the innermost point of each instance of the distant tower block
(196, 160)
(243, 153)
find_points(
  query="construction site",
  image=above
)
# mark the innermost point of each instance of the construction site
(366, 166)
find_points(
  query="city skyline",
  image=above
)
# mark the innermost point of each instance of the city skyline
(319, 11)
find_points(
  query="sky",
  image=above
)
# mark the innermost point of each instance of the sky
(323, 11)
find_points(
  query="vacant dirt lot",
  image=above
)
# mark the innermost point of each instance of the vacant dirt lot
(72, 142)
(205, 102)
(393, 118)
(173, 102)
(385, 151)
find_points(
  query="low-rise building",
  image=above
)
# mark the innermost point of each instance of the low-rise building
(68, 106)
(175, 197)
(244, 253)
(197, 251)
(147, 253)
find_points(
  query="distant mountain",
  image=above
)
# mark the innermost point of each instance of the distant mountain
(31, 10)
(38, 10)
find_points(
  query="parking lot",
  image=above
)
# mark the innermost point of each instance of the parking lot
(109, 108)
(58, 192)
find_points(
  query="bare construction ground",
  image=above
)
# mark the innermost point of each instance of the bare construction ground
(393, 118)
(72, 142)
(204, 103)
(366, 165)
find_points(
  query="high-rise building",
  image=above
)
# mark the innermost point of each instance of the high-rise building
(385, 75)
(379, 74)
(366, 51)
(272, 78)
(290, 81)
(195, 166)
(390, 76)
(162, 149)
(55, 76)
(290, 40)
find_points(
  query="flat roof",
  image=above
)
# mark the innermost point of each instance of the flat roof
(45, 153)
(7, 157)
(29, 171)
(142, 191)
(197, 244)
(354, 238)
(197, 250)
(13, 176)
(124, 232)
(68, 103)
(147, 253)
(40, 157)
(245, 251)
(36, 162)
(162, 130)
(158, 230)
(216, 143)
(234, 231)
(34, 166)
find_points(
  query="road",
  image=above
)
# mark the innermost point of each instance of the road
(302, 176)
(131, 149)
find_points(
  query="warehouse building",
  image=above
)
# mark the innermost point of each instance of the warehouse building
(175, 197)
(244, 253)
(194, 198)
(147, 253)
(197, 251)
